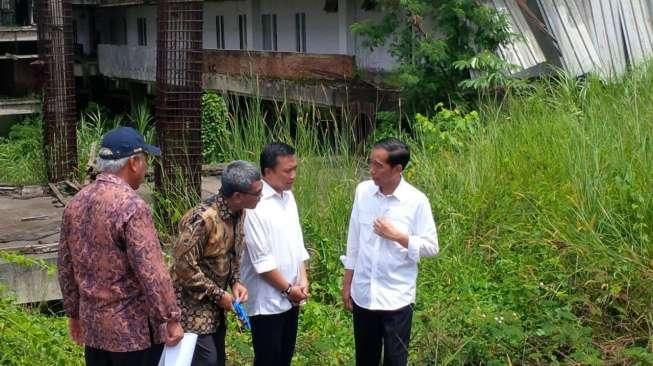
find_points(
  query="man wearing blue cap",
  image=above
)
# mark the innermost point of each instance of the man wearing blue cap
(115, 286)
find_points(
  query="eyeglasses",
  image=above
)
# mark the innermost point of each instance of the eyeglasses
(374, 163)
(258, 193)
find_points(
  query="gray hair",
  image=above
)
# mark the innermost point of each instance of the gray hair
(111, 165)
(238, 176)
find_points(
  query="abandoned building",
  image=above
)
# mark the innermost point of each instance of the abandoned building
(301, 50)
(17, 51)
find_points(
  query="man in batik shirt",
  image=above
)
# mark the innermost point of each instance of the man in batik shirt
(206, 260)
(116, 289)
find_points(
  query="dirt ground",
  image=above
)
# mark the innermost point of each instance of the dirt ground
(30, 221)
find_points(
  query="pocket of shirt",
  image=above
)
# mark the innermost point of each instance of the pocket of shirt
(366, 222)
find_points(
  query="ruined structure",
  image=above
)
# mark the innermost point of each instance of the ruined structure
(179, 93)
(55, 37)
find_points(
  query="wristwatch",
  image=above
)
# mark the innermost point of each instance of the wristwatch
(286, 292)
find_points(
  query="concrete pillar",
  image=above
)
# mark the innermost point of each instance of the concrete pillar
(343, 27)
(254, 26)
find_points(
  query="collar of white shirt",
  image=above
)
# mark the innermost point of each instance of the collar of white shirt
(269, 192)
(399, 193)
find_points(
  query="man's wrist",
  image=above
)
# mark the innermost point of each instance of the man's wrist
(218, 295)
(285, 292)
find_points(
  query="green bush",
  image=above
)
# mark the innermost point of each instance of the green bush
(28, 337)
(21, 154)
(447, 129)
(214, 127)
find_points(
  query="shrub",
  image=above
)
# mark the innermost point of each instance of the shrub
(214, 127)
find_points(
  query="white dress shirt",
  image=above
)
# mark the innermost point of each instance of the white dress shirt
(273, 238)
(385, 272)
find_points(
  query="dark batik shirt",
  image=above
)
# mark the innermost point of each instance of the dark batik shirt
(206, 259)
(111, 270)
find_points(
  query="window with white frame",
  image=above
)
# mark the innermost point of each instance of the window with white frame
(300, 32)
(242, 31)
(142, 31)
(269, 25)
(219, 32)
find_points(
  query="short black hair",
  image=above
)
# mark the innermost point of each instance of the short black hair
(271, 152)
(398, 152)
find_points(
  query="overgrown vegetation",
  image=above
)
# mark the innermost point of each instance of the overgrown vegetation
(21, 154)
(544, 211)
(214, 127)
(442, 63)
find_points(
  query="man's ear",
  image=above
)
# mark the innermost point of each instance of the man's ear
(132, 162)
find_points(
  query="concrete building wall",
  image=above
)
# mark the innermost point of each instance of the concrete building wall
(229, 10)
(322, 33)
(82, 19)
(108, 21)
(326, 32)
(378, 59)
(135, 12)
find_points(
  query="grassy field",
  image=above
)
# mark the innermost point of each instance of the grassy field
(544, 212)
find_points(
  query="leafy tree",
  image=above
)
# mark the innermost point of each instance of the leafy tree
(439, 44)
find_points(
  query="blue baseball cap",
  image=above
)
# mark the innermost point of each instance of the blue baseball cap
(122, 142)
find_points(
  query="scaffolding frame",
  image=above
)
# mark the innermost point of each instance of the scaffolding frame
(179, 94)
(55, 35)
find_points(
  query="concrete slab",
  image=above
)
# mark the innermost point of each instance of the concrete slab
(30, 226)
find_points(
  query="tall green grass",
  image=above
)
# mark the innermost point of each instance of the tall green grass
(544, 214)
(28, 337)
(21, 154)
(545, 230)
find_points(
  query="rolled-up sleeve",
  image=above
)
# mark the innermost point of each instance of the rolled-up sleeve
(353, 237)
(423, 241)
(146, 259)
(66, 272)
(257, 244)
(187, 252)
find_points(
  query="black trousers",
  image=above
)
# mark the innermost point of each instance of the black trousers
(146, 357)
(209, 349)
(274, 336)
(376, 330)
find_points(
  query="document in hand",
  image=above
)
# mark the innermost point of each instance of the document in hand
(181, 354)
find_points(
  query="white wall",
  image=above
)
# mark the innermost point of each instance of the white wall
(230, 11)
(321, 27)
(324, 31)
(135, 12)
(378, 60)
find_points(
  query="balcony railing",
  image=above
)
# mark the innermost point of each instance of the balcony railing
(127, 62)
(17, 33)
(278, 65)
(139, 63)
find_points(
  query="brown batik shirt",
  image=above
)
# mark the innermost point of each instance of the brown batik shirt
(206, 259)
(111, 270)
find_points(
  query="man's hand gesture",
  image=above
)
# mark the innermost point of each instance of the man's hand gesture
(239, 291)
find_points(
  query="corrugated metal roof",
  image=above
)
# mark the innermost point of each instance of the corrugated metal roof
(565, 20)
(604, 25)
(637, 28)
(523, 51)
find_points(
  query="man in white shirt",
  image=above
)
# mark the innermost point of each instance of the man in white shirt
(273, 266)
(391, 227)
